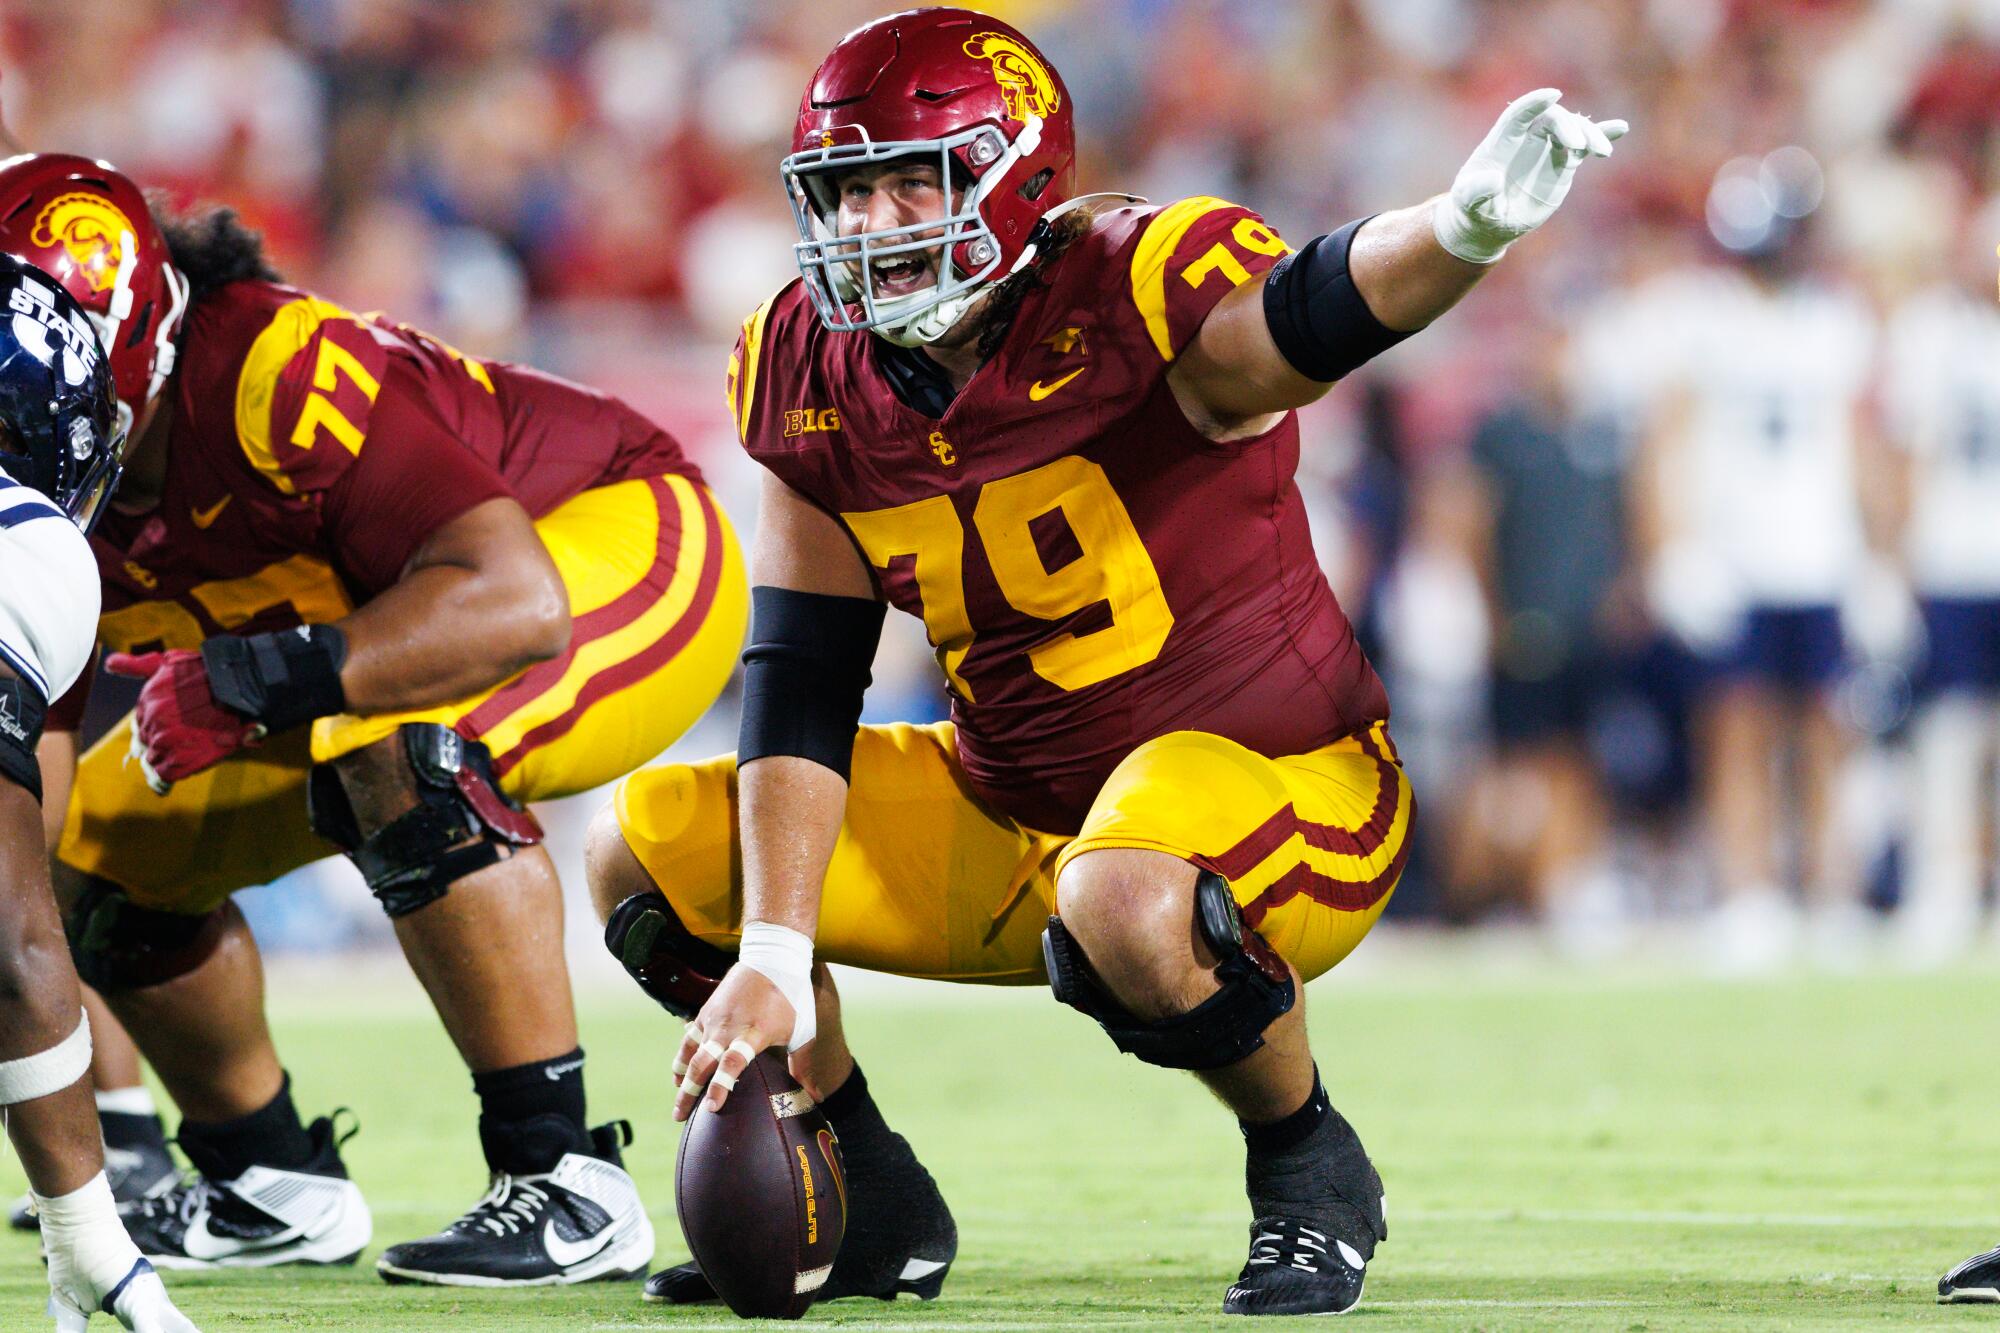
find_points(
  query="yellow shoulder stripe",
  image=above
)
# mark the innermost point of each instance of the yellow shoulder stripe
(290, 329)
(746, 374)
(1149, 262)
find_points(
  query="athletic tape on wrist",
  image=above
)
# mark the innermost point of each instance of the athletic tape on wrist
(783, 957)
(48, 1071)
(88, 1249)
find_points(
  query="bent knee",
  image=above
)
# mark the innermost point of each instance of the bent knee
(1133, 912)
(612, 871)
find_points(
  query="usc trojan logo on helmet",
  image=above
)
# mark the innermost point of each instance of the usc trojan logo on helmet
(1025, 85)
(88, 227)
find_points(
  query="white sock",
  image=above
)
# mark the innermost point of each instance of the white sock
(127, 1101)
(89, 1252)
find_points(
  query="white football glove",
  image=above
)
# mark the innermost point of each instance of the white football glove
(1516, 178)
(142, 1306)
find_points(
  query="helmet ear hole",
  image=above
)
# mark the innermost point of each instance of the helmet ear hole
(1032, 189)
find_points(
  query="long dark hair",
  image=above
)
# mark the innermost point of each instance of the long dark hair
(210, 245)
(1005, 302)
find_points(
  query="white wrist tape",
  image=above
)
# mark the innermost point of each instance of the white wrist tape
(48, 1071)
(1467, 237)
(88, 1250)
(784, 957)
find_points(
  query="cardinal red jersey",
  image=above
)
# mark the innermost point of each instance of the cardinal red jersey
(1093, 571)
(313, 451)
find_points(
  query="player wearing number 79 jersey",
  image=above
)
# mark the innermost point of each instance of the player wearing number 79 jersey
(1058, 430)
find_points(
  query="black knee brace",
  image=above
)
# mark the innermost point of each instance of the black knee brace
(463, 822)
(671, 965)
(1256, 987)
(120, 946)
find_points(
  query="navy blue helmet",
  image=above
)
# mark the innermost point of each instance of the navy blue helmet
(59, 424)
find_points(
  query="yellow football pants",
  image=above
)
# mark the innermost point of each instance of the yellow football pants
(928, 881)
(659, 603)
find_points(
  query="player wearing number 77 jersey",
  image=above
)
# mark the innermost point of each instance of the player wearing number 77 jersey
(1060, 431)
(383, 596)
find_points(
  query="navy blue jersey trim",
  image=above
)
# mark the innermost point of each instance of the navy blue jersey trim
(26, 672)
(28, 513)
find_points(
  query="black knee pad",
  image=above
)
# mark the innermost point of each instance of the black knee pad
(1256, 987)
(679, 971)
(462, 823)
(119, 946)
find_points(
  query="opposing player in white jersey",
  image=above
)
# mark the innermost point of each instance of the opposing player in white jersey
(1941, 392)
(1757, 552)
(60, 441)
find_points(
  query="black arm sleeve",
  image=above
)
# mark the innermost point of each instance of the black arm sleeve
(804, 674)
(21, 710)
(1317, 318)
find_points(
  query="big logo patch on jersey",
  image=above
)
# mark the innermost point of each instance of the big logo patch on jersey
(88, 227)
(1025, 85)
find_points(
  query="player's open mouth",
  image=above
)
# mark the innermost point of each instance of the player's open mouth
(899, 277)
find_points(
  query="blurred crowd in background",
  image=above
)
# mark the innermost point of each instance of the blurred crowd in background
(1679, 545)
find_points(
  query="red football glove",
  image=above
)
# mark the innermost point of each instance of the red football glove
(179, 728)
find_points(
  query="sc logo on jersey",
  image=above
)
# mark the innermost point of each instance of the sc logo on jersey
(40, 329)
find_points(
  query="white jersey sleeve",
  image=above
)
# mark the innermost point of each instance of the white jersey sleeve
(48, 591)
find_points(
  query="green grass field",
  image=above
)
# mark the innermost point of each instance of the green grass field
(1561, 1150)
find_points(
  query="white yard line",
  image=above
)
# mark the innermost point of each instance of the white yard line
(1646, 1217)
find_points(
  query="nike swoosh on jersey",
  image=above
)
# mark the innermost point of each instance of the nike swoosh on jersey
(569, 1253)
(205, 517)
(1038, 390)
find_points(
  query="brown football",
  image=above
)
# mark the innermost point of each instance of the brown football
(760, 1193)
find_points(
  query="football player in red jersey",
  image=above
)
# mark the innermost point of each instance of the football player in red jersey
(1061, 431)
(381, 594)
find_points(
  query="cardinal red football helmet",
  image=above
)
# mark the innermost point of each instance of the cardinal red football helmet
(957, 88)
(87, 226)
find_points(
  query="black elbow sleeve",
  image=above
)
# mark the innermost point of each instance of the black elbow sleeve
(804, 675)
(1317, 317)
(21, 712)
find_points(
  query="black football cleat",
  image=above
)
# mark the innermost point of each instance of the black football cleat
(137, 1164)
(311, 1214)
(581, 1222)
(1974, 1282)
(900, 1239)
(1295, 1269)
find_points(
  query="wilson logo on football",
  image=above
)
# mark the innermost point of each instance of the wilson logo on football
(88, 227)
(1025, 85)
